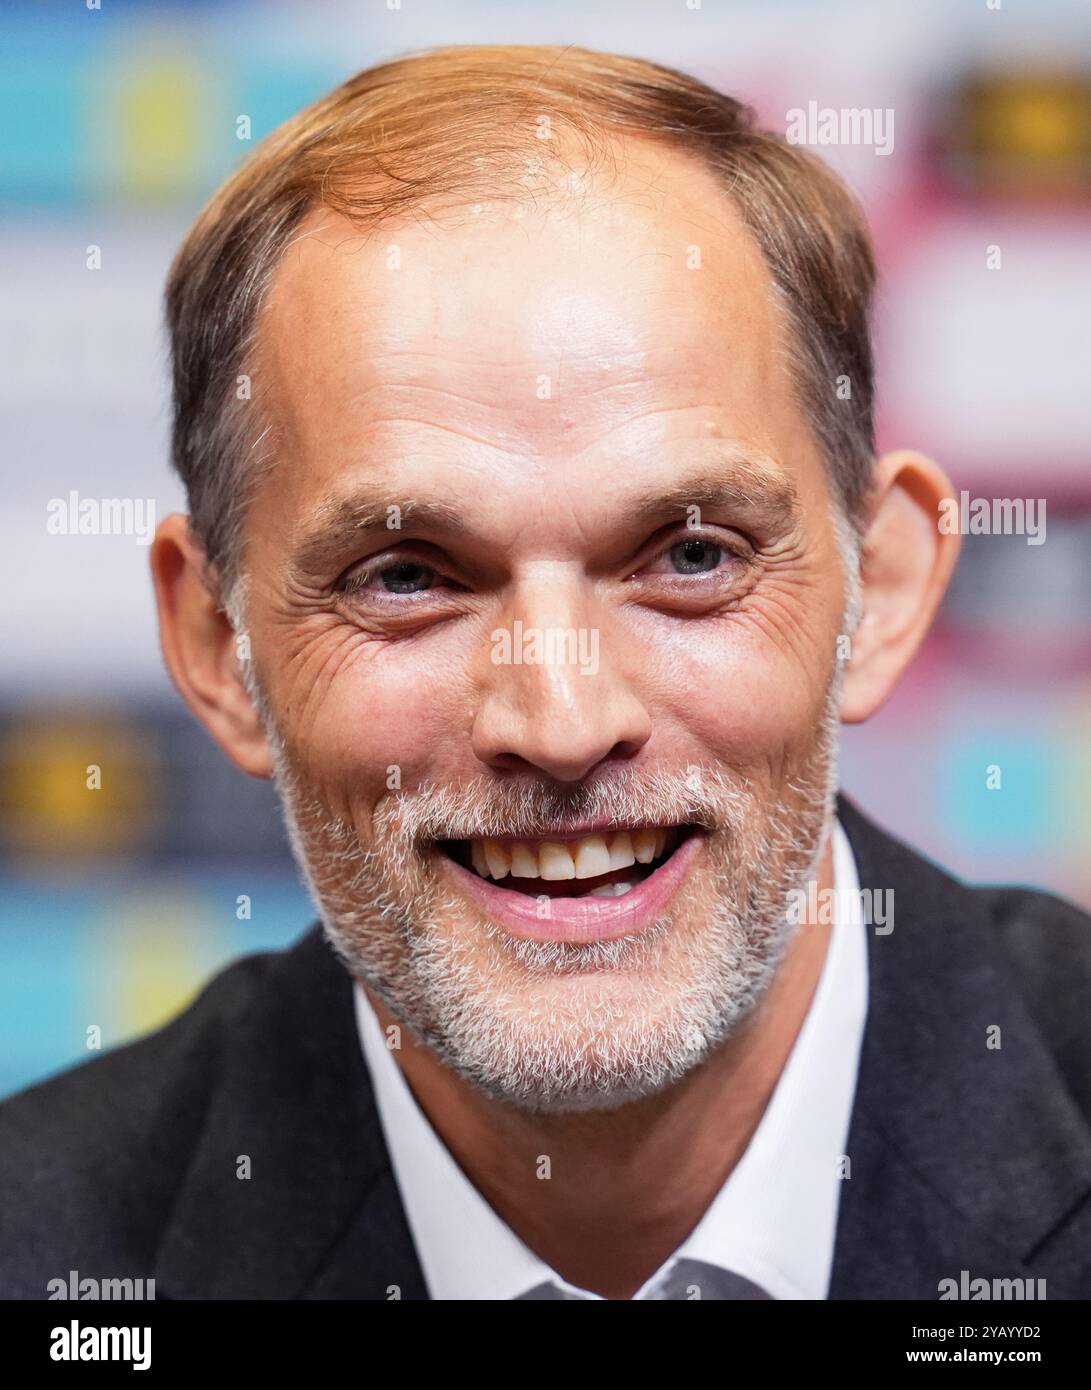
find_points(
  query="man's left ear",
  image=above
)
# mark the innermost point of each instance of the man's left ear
(905, 564)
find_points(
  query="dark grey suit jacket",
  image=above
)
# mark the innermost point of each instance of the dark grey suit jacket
(962, 1157)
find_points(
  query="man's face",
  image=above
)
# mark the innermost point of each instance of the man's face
(544, 581)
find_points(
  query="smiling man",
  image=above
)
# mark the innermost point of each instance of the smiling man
(537, 548)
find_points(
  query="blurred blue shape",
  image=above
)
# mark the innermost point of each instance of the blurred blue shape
(1020, 813)
(41, 115)
(65, 949)
(270, 95)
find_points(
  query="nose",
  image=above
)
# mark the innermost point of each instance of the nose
(555, 695)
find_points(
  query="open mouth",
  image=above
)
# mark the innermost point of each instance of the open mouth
(609, 864)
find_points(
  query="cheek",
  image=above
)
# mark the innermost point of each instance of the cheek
(741, 696)
(391, 710)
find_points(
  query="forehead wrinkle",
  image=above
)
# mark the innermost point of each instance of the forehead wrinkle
(595, 371)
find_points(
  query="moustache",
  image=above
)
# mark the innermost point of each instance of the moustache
(483, 808)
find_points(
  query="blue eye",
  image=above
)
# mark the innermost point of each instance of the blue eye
(695, 556)
(406, 577)
(390, 579)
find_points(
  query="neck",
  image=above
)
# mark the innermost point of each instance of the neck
(625, 1186)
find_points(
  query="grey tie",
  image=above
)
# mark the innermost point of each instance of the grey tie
(689, 1280)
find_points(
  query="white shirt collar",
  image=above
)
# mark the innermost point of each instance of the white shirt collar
(773, 1221)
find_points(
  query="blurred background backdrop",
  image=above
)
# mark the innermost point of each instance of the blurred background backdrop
(118, 121)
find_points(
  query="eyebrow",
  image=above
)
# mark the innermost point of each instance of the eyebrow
(748, 483)
(754, 485)
(338, 521)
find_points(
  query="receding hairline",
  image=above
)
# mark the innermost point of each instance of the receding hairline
(550, 194)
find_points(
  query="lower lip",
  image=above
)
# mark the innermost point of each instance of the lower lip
(582, 919)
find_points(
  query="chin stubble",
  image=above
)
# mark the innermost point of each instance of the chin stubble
(553, 1026)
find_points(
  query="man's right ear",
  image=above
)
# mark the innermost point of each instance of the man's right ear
(199, 647)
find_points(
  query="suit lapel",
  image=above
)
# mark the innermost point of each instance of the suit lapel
(962, 1156)
(319, 1215)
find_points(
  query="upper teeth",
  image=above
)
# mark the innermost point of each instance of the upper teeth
(553, 859)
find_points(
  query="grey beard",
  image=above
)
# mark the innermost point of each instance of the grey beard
(542, 1025)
